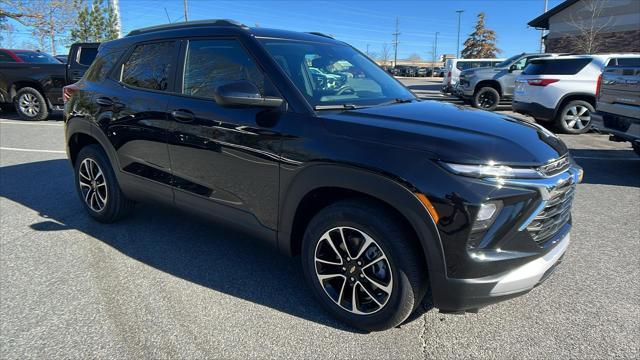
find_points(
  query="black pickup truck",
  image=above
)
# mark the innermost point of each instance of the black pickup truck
(618, 101)
(32, 81)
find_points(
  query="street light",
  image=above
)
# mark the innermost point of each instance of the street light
(458, 45)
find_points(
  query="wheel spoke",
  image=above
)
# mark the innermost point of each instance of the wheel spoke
(323, 277)
(341, 295)
(571, 123)
(327, 238)
(367, 242)
(582, 110)
(370, 294)
(85, 185)
(573, 110)
(385, 288)
(87, 195)
(354, 299)
(381, 257)
(344, 242)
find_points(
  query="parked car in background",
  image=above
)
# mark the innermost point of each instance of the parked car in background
(32, 81)
(423, 72)
(407, 70)
(453, 67)
(561, 90)
(390, 201)
(485, 87)
(618, 101)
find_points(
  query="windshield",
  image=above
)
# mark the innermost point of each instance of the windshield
(334, 74)
(36, 57)
(508, 61)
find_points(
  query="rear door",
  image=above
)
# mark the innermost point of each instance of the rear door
(81, 55)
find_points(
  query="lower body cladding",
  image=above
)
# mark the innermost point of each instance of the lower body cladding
(534, 110)
(500, 267)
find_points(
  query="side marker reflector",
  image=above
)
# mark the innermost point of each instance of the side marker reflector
(427, 204)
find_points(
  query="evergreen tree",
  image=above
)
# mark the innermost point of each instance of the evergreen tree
(111, 25)
(481, 43)
(97, 21)
(81, 31)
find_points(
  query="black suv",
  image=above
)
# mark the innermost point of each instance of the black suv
(390, 201)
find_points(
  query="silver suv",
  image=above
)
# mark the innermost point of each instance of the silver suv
(486, 86)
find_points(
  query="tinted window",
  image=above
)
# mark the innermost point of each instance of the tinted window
(556, 67)
(100, 68)
(87, 55)
(211, 63)
(150, 65)
(4, 57)
(36, 57)
(629, 62)
(464, 65)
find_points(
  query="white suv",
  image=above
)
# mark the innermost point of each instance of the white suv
(561, 89)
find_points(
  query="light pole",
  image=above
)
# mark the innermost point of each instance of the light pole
(186, 11)
(395, 43)
(542, 49)
(458, 44)
(435, 53)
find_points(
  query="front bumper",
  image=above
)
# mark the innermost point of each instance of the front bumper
(535, 110)
(467, 294)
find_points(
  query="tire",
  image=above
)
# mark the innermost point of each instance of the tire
(31, 105)
(402, 274)
(107, 204)
(578, 123)
(487, 98)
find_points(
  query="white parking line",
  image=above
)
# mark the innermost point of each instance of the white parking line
(10, 122)
(33, 150)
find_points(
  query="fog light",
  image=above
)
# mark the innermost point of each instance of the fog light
(486, 215)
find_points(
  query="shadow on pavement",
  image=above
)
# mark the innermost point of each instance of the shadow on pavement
(609, 167)
(207, 254)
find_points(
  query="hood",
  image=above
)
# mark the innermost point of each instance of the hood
(450, 133)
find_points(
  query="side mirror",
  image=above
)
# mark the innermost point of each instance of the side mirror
(243, 93)
(512, 68)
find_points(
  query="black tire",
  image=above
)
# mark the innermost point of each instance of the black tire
(579, 126)
(486, 98)
(116, 205)
(31, 105)
(407, 265)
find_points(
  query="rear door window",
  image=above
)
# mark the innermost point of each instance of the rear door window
(556, 66)
(635, 62)
(86, 55)
(150, 66)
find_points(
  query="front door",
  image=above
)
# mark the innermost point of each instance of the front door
(224, 160)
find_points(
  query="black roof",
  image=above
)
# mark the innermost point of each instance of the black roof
(542, 21)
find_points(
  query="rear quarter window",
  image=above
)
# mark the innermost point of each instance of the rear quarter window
(102, 66)
(556, 67)
(634, 62)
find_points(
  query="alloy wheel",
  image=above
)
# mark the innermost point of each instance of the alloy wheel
(29, 104)
(577, 117)
(487, 100)
(353, 270)
(93, 184)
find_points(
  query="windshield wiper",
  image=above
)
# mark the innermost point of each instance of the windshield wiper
(396, 101)
(336, 107)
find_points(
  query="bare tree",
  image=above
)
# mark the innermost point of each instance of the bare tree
(385, 54)
(49, 20)
(589, 28)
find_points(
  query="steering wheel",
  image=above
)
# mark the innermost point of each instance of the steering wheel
(345, 90)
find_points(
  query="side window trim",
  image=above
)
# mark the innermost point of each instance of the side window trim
(180, 69)
(118, 70)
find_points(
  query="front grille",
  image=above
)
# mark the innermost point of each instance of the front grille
(555, 214)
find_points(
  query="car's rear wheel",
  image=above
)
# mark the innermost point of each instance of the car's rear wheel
(487, 98)
(31, 105)
(363, 265)
(98, 187)
(575, 117)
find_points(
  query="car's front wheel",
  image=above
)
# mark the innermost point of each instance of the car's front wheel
(363, 265)
(575, 117)
(98, 187)
(487, 98)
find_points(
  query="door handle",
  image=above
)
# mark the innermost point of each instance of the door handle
(104, 101)
(183, 116)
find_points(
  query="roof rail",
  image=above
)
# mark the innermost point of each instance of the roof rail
(190, 24)
(320, 34)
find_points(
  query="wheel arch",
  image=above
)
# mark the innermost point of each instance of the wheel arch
(81, 132)
(488, 83)
(320, 185)
(564, 100)
(17, 85)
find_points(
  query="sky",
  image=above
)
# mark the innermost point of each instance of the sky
(361, 23)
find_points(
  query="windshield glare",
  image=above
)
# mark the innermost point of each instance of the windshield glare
(508, 61)
(334, 74)
(36, 57)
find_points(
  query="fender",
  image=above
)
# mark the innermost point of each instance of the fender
(364, 181)
(80, 125)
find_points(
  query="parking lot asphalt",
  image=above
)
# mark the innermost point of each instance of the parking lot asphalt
(163, 284)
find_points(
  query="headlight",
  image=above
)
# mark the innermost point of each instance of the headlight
(491, 170)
